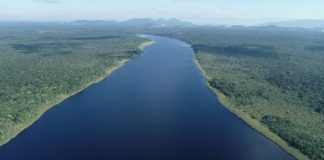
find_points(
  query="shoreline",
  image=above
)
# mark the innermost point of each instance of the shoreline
(145, 44)
(60, 98)
(246, 118)
(253, 123)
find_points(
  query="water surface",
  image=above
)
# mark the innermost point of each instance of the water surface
(156, 107)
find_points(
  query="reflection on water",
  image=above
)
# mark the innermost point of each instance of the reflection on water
(156, 107)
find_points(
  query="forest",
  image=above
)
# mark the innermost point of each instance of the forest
(274, 75)
(42, 64)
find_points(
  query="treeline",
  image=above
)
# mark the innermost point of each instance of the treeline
(38, 64)
(276, 75)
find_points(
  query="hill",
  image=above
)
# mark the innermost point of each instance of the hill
(138, 22)
(311, 24)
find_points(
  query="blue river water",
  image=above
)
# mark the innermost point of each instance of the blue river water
(155, 107)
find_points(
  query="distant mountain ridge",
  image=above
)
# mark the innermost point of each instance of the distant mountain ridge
(315, 24)
(138, 22)
(96, 22)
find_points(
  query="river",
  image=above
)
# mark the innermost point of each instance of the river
(156, 107)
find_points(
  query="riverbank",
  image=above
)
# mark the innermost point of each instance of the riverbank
(16, 130)
(145, 44)
(253, 123)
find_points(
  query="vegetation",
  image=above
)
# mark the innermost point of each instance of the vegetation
(273, 75)
(42, 64)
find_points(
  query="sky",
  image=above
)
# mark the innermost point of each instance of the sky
(214, 12)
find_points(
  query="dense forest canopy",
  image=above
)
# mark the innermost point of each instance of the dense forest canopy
(42, 62)
(275, 75)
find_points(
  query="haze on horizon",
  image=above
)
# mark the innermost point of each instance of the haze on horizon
(247, 12)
